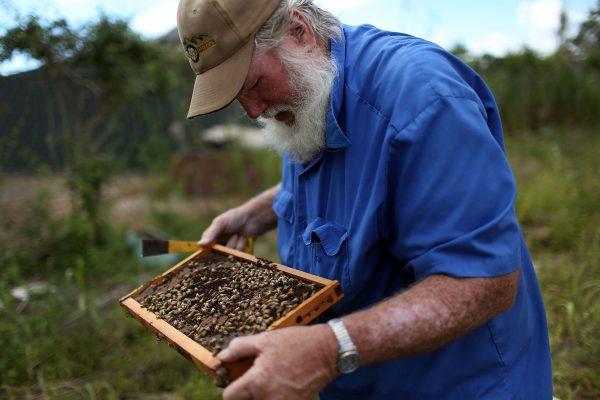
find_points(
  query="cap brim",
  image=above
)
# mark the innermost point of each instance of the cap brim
(219, 86)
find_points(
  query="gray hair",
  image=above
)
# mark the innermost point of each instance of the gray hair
(325, 24)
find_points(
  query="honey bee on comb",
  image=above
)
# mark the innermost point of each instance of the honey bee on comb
(217, 298)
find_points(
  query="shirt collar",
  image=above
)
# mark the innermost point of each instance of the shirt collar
(336, 139)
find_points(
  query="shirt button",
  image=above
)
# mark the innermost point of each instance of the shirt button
(318, 258)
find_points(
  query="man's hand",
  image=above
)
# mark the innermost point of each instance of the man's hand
(251, 219)
(231, 227)
(290, 363)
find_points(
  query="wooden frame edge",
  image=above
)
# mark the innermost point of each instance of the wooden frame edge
(310, 308)
(199, 355)
(162, 276)
(203, 358)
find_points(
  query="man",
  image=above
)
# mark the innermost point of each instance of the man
(394, 182)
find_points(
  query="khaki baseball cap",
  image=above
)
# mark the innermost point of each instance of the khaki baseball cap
(218, 39)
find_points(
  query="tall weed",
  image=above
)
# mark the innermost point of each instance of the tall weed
(559, 208)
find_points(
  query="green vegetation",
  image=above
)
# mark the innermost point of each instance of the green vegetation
(535, 92)
(70, 339)
(75, 342)
(559, 209)
(111, 91)
(102, 89)
(90, 80)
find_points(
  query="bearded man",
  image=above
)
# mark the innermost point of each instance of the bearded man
(394, 182)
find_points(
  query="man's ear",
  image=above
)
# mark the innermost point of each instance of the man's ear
(301, 32)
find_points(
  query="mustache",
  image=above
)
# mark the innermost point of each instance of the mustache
(271, 112)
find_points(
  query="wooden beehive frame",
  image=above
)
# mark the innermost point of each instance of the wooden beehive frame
(307, 311)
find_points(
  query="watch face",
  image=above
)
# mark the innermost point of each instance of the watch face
(348, 362)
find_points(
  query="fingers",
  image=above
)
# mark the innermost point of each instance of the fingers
(241, 243)
(237, 242)
(240, 389)
(238, 348)
(226, 226)
(211, 233)
(232, 242)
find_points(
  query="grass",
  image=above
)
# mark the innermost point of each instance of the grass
(74, 341)
(559, 209)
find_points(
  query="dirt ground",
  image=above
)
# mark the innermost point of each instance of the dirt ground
(129, 198)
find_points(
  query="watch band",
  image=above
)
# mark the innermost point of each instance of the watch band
(343, 337)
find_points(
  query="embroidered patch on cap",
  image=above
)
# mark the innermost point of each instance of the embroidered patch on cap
(198, 45)
(192, 53)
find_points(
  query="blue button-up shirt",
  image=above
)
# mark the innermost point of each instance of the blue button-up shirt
(415, 181)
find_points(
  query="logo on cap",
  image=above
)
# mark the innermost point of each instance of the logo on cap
(192, 53)
(198, 45)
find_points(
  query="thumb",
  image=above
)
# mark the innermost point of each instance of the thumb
(238, 348)
(211, 233)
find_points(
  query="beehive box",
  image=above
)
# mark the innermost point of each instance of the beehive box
(219, 293)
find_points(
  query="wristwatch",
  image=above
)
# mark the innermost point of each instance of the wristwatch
(348, 357)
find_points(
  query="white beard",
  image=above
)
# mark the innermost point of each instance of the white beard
(311, 80)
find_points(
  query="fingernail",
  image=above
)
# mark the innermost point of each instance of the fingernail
(223, 354)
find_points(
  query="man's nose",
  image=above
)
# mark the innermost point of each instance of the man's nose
(253, 107)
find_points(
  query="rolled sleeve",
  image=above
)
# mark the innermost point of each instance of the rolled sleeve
(451, 195)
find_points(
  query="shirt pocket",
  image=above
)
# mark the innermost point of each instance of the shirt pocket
(328, 243)
(283, 206)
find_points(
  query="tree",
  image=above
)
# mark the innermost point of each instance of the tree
(111, 66)
(587, 40)
(110, 62)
